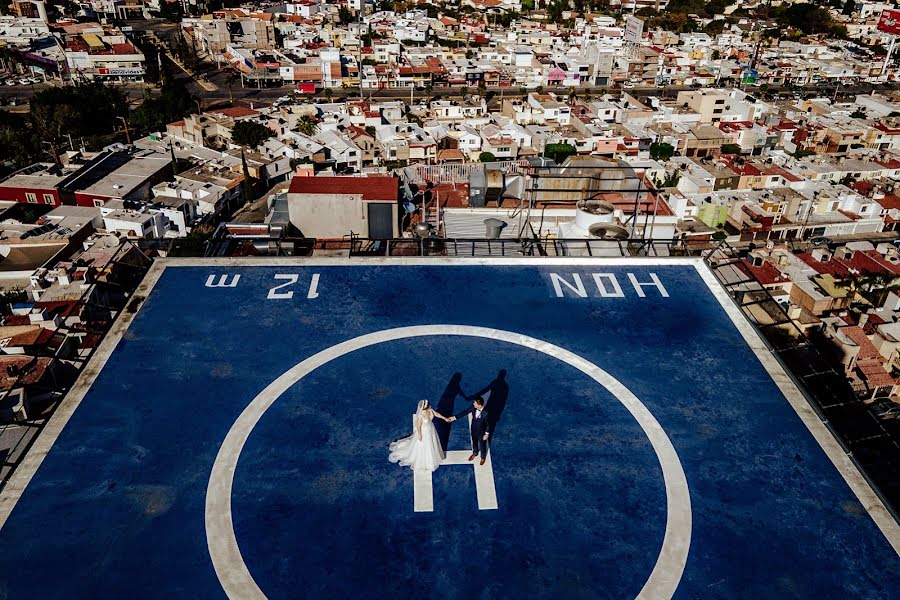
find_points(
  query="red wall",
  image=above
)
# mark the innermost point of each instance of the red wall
(82, 199)
(18, 194)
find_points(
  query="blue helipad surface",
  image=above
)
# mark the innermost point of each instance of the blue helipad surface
(586, 484)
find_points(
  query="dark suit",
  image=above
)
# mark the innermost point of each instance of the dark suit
(480, 426)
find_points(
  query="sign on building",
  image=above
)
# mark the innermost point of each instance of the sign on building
(889, 21)
(634, 27)
(128, 72)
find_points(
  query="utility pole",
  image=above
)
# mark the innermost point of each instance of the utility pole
(127, 133)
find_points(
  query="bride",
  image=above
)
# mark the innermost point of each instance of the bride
(422, 449)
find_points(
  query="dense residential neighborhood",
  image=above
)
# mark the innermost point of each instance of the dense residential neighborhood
(762, 137)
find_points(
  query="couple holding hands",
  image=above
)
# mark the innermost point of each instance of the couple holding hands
(422, 449)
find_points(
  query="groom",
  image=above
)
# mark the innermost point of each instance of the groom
(479, 428)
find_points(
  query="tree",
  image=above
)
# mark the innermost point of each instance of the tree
(84, 109)
(671, 180)
(486, 157)
(661, 151)
(250, 134)
(230, 78)
(849, 7)
(858, 114)
(328, 93)
(559, 152)
(731, 149)
(306, 125)
(172, 104)
(17, 140)
(809, 19)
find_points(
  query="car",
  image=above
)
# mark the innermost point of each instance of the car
(821, 241)
(24, 81)
(12, 82)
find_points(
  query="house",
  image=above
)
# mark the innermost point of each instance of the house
(334, 207)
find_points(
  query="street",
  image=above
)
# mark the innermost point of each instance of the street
(210, 88)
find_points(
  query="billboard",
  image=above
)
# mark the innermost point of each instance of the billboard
(634, 27)
(889, 21)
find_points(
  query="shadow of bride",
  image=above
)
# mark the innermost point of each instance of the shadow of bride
(445, 406)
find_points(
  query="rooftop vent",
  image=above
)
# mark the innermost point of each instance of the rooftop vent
(608, 231)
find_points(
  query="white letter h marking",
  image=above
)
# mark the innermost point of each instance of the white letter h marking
(423, 491)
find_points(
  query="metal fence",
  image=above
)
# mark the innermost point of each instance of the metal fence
(98, 307)
(871, 443)
(352, 246)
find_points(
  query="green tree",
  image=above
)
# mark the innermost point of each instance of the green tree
(84, 109)
(858, 114)
(52, 123)
(809, 19)
(172, 104)
(17, 140)
(306, 125)
(486, 157)
(230, 79)
(559, 152)
(328, 93)
(731, 149)
(849, 7)
(250, 134)
(661, 151)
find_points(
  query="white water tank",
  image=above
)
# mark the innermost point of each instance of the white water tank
(589, 212)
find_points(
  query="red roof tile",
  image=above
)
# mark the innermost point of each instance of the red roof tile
(873, 372)
(767, 274)
(830, 267)
(377, 187)
(889, 202)
(866, 348)
(235, 112)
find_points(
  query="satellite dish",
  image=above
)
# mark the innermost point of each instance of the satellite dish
(608, 231)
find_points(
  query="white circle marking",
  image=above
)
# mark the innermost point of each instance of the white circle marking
(232, 571)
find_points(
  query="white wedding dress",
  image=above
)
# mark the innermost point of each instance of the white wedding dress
(424, 454)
